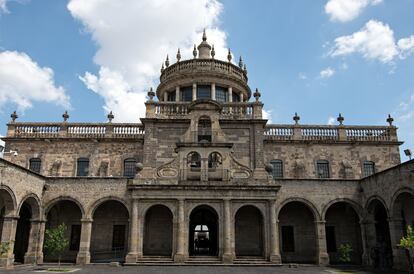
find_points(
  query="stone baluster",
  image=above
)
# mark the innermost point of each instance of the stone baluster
(8, 236)
(181, 254)
(323, 257)
(228, 255)
(84, 255)
(133, 234)
(274, 255)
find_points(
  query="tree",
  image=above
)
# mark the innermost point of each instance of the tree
(345, 251)
(4, 248)
(56, 241)
(407, 242)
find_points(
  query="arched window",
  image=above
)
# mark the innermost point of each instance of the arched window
(35, 164)
(277, 171)
(322, 169)
(204, 129)
(130, 167)
(214, 160)
(194, 161)
(368, 168)
(82, 167)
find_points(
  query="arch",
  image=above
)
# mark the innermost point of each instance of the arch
(23, 227)
(97, 203)
(343, 227)
(376, 199)
(357, 207)
(54, 201)
(308, 203)
(109, 237)
(158, 231)
(35, 204)
(297, 231)
(249, 231)
(203, 231)
(214, 160)
(397, 194)
(194, 160)
(9, 200)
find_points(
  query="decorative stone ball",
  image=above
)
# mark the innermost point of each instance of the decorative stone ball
(269, 168)
(139, 167)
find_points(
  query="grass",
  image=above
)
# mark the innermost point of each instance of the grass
(59, 269)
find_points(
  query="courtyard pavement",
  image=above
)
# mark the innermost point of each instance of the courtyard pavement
(103, 269)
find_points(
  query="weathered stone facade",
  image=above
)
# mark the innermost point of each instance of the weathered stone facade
(204, 177)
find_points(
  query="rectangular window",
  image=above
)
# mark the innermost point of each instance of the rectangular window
(203, 92)
(222, 95)
(118, 237)
(171, 96)
(277, 166)
(35, 164)
(82, 167)
(186, 94)
(323, 169)
(236, 97)
(130, 167)
(75, 237)
(288, 239)
(330, 239)
(369, 168)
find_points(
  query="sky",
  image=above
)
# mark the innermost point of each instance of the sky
(318, 58)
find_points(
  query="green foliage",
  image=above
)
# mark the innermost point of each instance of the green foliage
(4, 248)
(407, 241)
(344, 252)
(56, 241)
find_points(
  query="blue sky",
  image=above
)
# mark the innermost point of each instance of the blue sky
(317, 58)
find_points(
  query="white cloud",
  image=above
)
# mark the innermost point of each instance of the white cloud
(374, 41)
(347, 10)
(331, 120)
(327, 73)
(302, 76)
(267, 115)
(23, 81)
(133, 39)
(3, 7)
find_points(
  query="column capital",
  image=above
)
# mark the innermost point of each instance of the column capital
(86, 220)
(320, 222)
(11, 217)
(37, 221)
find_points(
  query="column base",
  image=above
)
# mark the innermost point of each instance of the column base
(323, 259)
(275, 258)
(83, 258)
(33, 258)
(180, 258)
(131, 258)
(7, 262)
(228, 258)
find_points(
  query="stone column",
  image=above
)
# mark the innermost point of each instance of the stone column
(84, 255)
(8, 236)
(165, 96)
(34, 254)
(194, 91)
(228, 255)
(131, 257)
(323, 257)
(230, 94)
(213, 91)
(177, 93)
(274, 255)
(396, 232)
(364, 239)
(181, 254)
(241, 97)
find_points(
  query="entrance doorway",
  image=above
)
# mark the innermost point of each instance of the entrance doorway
(203, 238)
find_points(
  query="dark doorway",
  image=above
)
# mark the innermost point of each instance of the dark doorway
(203, 230)
(22, 233)
(382, 252)
(158, 233)
(249, 232)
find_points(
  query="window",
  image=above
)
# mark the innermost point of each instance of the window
(214, 160)
(369, 168)
(83, 167)
(35, 164)
(277, 171)
(75, 234)
(194, 161)
(130, 167)
(204, 129)
(288, 239)
(171, 96)
(322, 168)
(236, 97)
(186, 94)
(330, 239)
(203, 92)
(222, 94)
(118, 237)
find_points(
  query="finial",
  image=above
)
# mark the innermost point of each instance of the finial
(241, 62)
(14, 116)
(167, 62)
(257, 95)
(296, 118)
(229, 57)
(65, 116)
(110, 116)
(178, 55)
(204, 35)
(245, 69)
(340, 119)
(390, 120)
(195, 51)
(162, 68)
(213, 52)
(151, 94)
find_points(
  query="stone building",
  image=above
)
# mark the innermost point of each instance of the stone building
(204, 178)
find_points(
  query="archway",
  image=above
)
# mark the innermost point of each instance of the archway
(69, 213)
(7, 206)
(343, 227)
(297, 233)
(158, 233)
(380, 244)
(22, 232)
(109, 232)
(402, 216)
(249, 232)
(203, 237)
